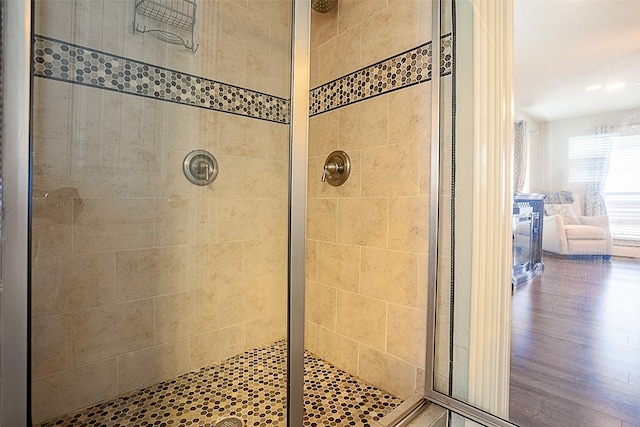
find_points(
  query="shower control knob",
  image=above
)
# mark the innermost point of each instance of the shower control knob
(336, 169)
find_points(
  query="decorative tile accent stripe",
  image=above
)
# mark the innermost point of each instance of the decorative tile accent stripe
(400, 71)
(58, 60)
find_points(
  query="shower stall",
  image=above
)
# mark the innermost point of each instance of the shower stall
(181, 236)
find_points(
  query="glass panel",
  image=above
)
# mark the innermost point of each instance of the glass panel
(367, 239)
(157, 296)
(572, 318)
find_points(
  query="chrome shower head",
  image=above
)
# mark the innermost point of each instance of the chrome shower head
(323, 6)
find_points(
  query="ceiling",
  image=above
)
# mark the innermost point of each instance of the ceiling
(562, 47)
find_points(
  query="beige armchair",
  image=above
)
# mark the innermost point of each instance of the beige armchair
(567, 232)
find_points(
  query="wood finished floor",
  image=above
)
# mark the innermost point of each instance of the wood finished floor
(576, 345)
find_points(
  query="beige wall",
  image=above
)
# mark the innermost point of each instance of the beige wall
(141, 276)
(367, 241)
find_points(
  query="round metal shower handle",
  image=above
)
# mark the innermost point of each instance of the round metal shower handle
(336, 168)
(200, 167)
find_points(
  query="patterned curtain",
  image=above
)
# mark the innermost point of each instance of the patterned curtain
(593, 201)
(520, 156)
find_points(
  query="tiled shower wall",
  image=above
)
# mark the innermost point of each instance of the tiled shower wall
(367, 240)
(138, 275)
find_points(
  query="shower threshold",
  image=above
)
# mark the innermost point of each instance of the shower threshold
(250, 387)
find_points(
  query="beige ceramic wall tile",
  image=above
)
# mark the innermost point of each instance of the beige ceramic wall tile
(320, 304)
(175, 221)
(394, 30)
(322, 216)
(226, 62)
(425, 20)
(310, 336)
(278, 217)
(311, 259)
(279, 144)
(324, 133)
(185, 314)
(314, 165)
(332, 66)
(244, 28)
(277, 294)
(336, 266)
(391, 170)
(423, 281)
(54, 19)
(425, 167)
(84, 120)
(409, 224)
(115, 16)
(242, 219)
(105, 332)
(52, 110)
(406, 334)
(229, 342)
(206, 224)
(277, 327)
(409, 114)
(243, 137)
(390, 275)
(152, 365)
(166, 182)
(354, 12)
(141, 125)
(324, 26)
(51, 344)
(364, 124)
(268, 72)
(256, 299)
(186, 129)
(313, 69)
(68, 391)
(362, 221)
(265, 331)
(231, 304)
(112, 224)
(45, 282)
(341, 351)
(362, 318)
(390, 373)
(50, 237)
(62, 284)
(50, 164)
(265, 179)
(264, 258)
(217, 263)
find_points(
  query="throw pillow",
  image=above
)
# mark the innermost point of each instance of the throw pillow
(566, 212)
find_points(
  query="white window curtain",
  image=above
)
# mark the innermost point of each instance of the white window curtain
(589, 158)
(520, 156)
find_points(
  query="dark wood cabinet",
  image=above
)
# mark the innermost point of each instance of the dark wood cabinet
(528, 211)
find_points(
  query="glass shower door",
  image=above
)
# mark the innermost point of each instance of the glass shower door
(150, 291)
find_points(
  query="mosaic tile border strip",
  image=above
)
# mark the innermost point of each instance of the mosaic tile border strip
(251, 386)
(400, 71)
(63, 61)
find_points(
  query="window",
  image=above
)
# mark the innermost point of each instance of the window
(614, 159)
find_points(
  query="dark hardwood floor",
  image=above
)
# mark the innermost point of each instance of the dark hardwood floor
(575, 358)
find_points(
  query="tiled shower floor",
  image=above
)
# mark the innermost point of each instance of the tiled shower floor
(250, 386)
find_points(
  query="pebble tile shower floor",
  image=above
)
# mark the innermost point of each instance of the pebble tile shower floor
(250, 386)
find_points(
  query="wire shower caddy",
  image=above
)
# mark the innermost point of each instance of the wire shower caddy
(179, 14)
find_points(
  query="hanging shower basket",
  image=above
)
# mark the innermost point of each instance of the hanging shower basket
(180, 14)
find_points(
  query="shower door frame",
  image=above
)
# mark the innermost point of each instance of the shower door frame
(15, 379)
(16, 50)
